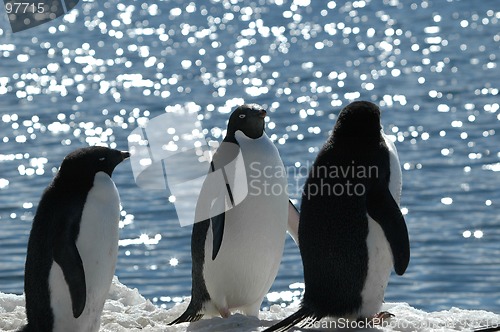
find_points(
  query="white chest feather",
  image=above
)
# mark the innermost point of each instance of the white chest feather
(395, 181)
(254, 231)
(379, 268)
(380, 260)
(97, 244)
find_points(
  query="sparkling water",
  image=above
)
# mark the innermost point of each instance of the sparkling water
(105, 68)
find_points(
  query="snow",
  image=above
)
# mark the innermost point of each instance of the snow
(127, 310)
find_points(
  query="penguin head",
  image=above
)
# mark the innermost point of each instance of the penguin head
(82, 164)
(249, 119)
(358, 120)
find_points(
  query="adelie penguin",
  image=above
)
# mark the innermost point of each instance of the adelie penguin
(236, 254)
(73, 244)
(351, 229)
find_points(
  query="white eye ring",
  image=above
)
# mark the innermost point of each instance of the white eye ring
(242, 116)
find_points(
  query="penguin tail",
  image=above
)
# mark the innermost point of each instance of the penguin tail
(190, 315)
(25, 328)
(294, 319)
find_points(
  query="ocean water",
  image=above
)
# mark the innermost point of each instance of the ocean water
(95, 75)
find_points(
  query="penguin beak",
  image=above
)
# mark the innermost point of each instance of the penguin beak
(262, 114)
(125, 155)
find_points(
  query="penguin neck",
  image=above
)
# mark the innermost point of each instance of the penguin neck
(230, 137)
(233, 136)
(73, 183)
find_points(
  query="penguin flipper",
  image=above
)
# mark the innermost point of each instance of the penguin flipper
(192, 314)
(218, 232)
(382, 207)
(293, 222)
(294, 319)
(66, 255)
(225, 154)
(218, 221)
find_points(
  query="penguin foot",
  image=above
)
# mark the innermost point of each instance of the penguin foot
(224, 312)
(379, 318)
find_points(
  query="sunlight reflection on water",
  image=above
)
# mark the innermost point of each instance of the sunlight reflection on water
(108, 67)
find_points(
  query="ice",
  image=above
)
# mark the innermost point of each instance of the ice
(127, 310)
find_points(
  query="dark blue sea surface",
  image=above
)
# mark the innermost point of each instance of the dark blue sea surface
(107, 67)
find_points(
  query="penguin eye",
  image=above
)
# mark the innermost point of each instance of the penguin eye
(242, 116)
(102, 159)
